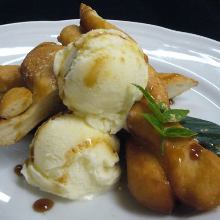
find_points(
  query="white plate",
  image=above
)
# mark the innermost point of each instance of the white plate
(169, 51)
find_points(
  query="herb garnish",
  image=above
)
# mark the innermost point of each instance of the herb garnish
(162, 114)
(208, 133)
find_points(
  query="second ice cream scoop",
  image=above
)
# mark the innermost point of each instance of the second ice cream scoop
(70, 159)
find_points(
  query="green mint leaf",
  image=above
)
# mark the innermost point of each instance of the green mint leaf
(156, 111)
(145, 93)
(175, 115)
(154, 122)
(208, 133)
(163, 107)
(154, 107)
(178, 132)
(162, 114)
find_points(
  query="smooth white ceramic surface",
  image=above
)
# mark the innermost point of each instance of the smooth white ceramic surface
(169, 51)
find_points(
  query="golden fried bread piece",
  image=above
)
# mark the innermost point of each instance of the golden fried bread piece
(15, 101)
(194, 182)
(176, 83)
(37, 71)
(69, 34)
(156, 87)
(10, 77)
(89, 20)
(194, 173)
(185, 174)
(147, 180)
(140, 128)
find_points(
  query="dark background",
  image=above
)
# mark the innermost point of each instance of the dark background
(196, 16)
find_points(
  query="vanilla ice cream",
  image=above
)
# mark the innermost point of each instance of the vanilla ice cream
(70, 159)
(95, 76)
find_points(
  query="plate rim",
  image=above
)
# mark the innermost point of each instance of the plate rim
(157, 28)
(8, 25)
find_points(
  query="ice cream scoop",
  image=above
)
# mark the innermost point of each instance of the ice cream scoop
(70, 159)
(95, 76)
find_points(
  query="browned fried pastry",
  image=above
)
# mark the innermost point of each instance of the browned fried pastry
(69, 34)
(135, 122)
(37, 69)
(156, 87)
(10, 77)
(176, 83)
(195, 181)
(15, 101)
(89, 20)
(141, 128)
(37, 72)
(194, 173)
(147, 180)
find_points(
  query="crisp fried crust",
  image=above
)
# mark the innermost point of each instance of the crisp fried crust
(194, 173)
(194, 182)
(37, 72)
(141, 128)
(147, 180)
(10, 77)
(89, 20)
(37, 69)
(69, 34)
(156, 87)
(176, 83)
(15, 101)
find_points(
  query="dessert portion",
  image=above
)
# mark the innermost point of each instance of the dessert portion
(90, 20)
(147, 180)
(192, 171)
(71, 159)
(69, 34)
(15, 101)
(10, 77)
(176, 83)
(18, 119)
(39, 100)
(76, 154)
(95, 76)
(176, 161)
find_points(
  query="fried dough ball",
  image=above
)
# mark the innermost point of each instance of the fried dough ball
(10, 77)
(194, 173)
(15, 101)
(38, 76)
(69, 34)
(176, 83)
(156, 87)
(147, 180)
